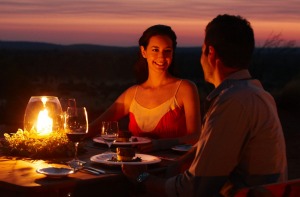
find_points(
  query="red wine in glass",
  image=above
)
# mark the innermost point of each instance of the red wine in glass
(76, 129)
(76, 137)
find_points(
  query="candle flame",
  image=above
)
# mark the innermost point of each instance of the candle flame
(44, 100)
(44, 122)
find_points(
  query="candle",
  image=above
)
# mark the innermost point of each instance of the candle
(44, 123)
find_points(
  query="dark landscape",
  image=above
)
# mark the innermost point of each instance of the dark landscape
(96, 75)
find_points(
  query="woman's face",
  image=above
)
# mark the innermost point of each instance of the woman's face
(159, 53)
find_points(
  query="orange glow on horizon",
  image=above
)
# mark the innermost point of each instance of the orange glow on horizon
(124, 32)
(289, 31)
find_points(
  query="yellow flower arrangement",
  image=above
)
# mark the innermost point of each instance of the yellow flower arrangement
(29, 144)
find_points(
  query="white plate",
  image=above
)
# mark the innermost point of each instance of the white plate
(105, 157)
(55, 172)
(140, 140)
(182, 148)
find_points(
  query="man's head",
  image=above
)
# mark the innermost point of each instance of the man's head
(232, 38)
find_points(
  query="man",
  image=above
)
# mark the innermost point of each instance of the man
(241, 142)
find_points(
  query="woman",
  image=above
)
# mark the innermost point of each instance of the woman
(160, 106)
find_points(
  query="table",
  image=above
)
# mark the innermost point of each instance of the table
(18, 176)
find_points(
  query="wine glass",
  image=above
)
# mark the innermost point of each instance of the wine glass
(66, 102)
(109, 132)
(76, 130)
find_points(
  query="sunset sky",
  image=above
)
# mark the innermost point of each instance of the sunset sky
(121, 22)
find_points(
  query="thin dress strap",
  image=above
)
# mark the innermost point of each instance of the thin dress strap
(177, 87)
(135, 91)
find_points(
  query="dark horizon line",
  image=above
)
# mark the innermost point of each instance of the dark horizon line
(76, 44)
(29, 44)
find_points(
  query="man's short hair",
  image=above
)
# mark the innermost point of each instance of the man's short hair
(233, 39)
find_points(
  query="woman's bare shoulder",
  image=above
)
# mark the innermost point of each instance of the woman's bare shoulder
(132, 88)
(129, 92)
(187, 84)
(188, 88)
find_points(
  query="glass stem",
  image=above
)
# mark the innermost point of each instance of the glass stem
(76, 149)
(109, 145)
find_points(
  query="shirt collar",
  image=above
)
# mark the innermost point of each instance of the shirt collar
(241, 74)
(228, 81)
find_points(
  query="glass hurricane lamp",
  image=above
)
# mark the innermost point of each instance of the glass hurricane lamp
(43, 115)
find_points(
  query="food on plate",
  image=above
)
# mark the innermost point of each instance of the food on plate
(123, 136)
(125, 153)
(134, 139)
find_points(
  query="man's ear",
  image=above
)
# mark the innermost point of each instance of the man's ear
(212, 54)
(211, 50)
(143, 51)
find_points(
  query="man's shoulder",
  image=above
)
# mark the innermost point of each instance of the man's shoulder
(244, 92)
(248, 87)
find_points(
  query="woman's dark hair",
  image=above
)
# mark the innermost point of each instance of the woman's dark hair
(233, 39)
(141, 66)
